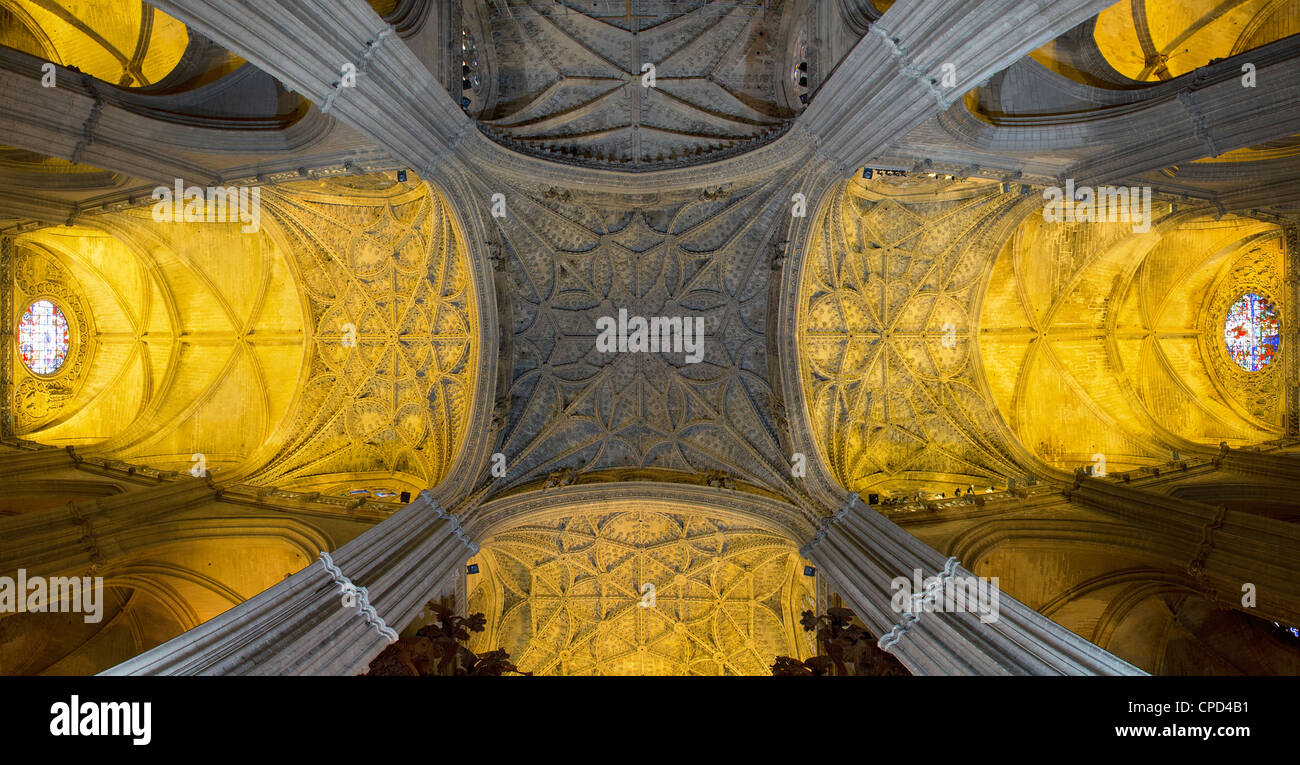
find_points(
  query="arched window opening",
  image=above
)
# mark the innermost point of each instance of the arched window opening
(1251, 332)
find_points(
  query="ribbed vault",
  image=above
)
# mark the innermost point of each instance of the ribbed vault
(566, 594)
(173, 328)
(331, 349)
(122, 42)
(565, 80)
(1097, 340)
(1151, 40)
(891, 286)
(385, 397)
(573, 258)
(930, 331)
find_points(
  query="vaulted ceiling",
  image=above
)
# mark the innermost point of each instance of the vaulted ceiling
(183, 341)
(1097, 340)
(129, 44)
(569, 81)
(889, 332)
(910, 291)
(332, 347)
(573, 258)
(631, 589)
(423, 302)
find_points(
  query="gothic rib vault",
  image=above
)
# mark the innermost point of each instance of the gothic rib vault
(386, 333)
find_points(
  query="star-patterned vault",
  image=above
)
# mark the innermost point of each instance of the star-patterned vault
(612, 591)
(573, 258)
(889, 289)
(385, 277)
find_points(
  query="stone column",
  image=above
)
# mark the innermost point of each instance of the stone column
(343, 57)
(862, 552)
(858, 15)
(27, 458)
(334, 616)
(1221, 549)
(83, 121)
(156, 138)
(87, 535)
(920, 57)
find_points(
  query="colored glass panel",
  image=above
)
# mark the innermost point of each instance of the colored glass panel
(43, 337)
(1251, 332)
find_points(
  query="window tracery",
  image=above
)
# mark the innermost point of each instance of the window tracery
(43, 337)
(1251, 332)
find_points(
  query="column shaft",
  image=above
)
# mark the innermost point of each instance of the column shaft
(862, 553)
(920, 57)
(92, 533)
(1223, 549)
(306, 625)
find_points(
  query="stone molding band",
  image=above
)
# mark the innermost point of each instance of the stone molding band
(88, 127)
(364, 608)
(906, 66)
(824, 528)
(1199, 122)
(895, 634)
(371, 46)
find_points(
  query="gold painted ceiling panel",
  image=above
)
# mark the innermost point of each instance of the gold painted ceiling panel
(185, 339)
(638, 592)
(890, 286)
(122, 42)
(389, 384)
(1096, 340)
(1152, 40)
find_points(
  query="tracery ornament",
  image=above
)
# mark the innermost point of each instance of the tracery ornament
(575, 260)
(1241, 327)
(1251, 332)
(642, 592)
(43, 337)
(603, 85)
(886, 327)
(390, 381)
(40, 396)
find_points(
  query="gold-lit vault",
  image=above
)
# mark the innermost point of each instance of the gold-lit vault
(1152, 40)
(330, 350)
(150, 597)
(888, 293)
(186, 338)
(122, 42)
(384, 276)
(1098, 340)
(567, 595)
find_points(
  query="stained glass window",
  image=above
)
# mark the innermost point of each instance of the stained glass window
(43, 337)
(371, 492)
(1251, 332)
